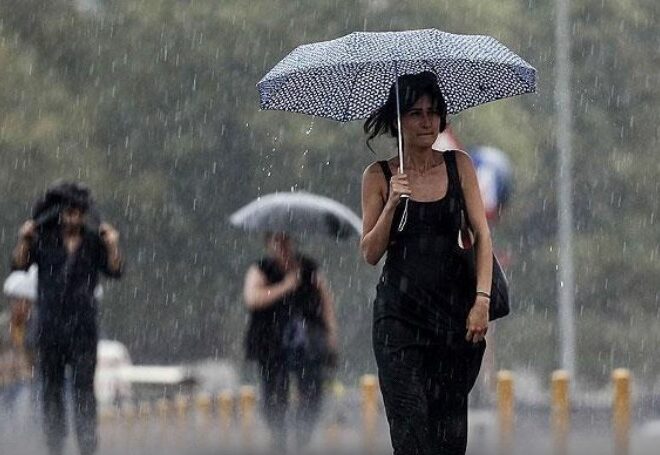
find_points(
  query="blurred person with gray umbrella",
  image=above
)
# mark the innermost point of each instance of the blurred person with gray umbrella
(428, 331)
(292, 328)
(70, 246)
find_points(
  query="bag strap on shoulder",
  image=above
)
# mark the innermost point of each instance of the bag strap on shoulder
(452, 171)
(387, 172)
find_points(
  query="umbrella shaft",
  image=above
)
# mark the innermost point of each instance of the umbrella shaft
(398, 122)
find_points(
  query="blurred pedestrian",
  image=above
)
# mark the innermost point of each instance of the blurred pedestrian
(428, 330)
(70, 246)
(292, 332)
(21, 289)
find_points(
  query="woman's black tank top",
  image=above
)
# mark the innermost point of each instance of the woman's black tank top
(266, 327)
(418, 282)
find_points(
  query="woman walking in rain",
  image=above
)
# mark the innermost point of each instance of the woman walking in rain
(428, 330)
(292, 330)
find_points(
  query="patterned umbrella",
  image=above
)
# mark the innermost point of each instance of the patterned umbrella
(348, 78)
(299, 212)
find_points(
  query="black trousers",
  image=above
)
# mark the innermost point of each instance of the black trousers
(276, 376)
(79, 353)
(425, 381)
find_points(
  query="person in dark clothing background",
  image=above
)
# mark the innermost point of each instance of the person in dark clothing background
(292, 330)
(428, 325)
(70, 247)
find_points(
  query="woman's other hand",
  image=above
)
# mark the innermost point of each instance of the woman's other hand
(292, 279)
(477, 321)
(28, 231)
(109, 234)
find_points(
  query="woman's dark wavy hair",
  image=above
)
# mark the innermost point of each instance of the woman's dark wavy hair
(59, 196)
(411, 88)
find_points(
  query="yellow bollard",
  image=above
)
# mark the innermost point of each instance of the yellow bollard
(108, 422)
(505, 410)
(144, 410)
(333, 431)
(128, 412)
(142, 426)
(203, 407)
(248, 400)
(181, 405)
(621, 410)
(561, 410)
(202, 421)
(369, 391)
(128, 428)
(226, 409)
(163, 408)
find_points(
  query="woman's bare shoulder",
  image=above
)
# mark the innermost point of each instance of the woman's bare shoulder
(373, 168)
(462, 157)
(376, 168)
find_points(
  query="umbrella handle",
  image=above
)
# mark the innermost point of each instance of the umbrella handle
(399, 137)
(404, 216)
(398, 120)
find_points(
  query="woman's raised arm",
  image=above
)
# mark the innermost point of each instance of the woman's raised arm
(378, 210)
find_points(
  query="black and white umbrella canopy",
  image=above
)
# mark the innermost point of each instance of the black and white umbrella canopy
(348, 78)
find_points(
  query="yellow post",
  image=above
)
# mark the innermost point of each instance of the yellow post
(621, 410)
(144, 410)
(561, 410)
(505, 410)
(202, 421)
(128, 412)
(248, 400)
(226, 409)
(181, 405)
(163, 408)
(369, 390)
(143, 413)
(333, 431)
(108, 417)
(203, 403)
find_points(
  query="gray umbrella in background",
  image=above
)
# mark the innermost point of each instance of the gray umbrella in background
(298, 212)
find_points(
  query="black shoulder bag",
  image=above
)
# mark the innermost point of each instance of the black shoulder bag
(464, 250)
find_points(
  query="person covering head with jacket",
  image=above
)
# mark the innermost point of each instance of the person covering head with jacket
(70, 246)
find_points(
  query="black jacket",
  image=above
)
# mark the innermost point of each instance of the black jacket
(66, 283)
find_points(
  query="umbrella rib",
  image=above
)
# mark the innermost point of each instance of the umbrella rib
(361, 66)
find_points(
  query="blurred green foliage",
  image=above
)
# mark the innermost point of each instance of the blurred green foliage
(153, 104)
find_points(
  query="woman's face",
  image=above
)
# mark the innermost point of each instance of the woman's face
(72, 217)
(280, 245)
(420, 124)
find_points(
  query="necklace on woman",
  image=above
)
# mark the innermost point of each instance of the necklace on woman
(424, 169)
